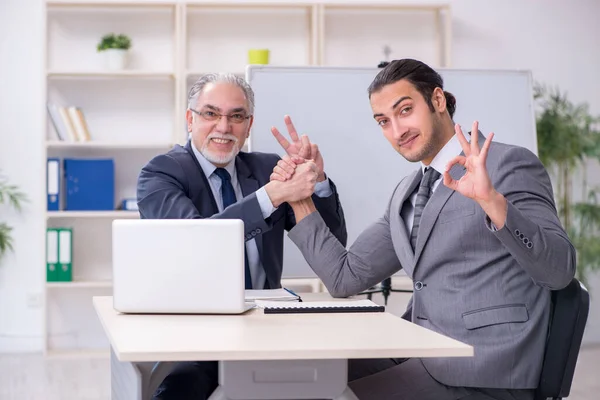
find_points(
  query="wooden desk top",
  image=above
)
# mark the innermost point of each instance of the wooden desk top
(258, 336)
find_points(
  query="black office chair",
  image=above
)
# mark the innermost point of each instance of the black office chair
(385, 288)
(570, 307)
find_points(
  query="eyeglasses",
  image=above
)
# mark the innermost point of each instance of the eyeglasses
(212, 116)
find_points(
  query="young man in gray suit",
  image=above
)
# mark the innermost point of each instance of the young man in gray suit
(475, 228)
(210, 177)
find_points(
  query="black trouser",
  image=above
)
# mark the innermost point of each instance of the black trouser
(192, 380)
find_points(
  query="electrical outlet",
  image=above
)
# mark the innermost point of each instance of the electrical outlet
(34, 300)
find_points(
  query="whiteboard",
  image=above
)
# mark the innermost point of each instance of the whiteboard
(331, 106)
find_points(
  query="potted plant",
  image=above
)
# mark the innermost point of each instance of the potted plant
(568, 139)
(115, 49)
(9, 194)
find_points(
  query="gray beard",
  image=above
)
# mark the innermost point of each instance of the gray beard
(218, 159)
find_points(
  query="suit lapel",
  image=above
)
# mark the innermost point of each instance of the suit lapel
(249, 185)
(401, 238)
(433, 209)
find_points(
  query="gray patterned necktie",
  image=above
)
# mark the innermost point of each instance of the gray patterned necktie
(430, 176)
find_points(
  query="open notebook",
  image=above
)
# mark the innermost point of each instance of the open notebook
(278, 295)
(289, 307)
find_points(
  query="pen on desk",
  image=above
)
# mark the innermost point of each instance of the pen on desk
(293, 294)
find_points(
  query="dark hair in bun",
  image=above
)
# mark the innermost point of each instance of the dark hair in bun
(422, 76)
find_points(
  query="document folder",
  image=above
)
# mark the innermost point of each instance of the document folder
(65, 255)
(53, 184)
(51, 255)
(89, 184)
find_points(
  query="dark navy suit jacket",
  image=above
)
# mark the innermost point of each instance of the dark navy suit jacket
(173, 186)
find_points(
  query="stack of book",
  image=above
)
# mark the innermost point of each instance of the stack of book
(69, 123)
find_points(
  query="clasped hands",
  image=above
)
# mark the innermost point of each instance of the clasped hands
(294, 177)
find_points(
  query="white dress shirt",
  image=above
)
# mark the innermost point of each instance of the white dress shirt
(322, 189)
(450, 150)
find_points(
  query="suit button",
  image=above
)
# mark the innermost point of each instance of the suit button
(517, 232)
(418, 285)
(526, 240)
(248, 236)
(521, 236)
(258, 230)
(529, 245)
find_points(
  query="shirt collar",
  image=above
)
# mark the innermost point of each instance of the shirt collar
(208, 167)
(450, 150)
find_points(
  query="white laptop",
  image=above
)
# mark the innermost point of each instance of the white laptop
(178, 266)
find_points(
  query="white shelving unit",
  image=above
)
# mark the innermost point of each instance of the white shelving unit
(79, 285)
(136, 113)
(92, 214)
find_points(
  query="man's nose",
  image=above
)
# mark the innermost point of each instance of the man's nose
(223, 124)
(398, 130)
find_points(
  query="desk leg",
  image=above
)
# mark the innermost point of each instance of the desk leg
(283, 379)
(129, 381)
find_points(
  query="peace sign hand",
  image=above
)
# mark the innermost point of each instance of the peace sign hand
(300, 146)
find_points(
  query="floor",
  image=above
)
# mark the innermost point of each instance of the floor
(31, 377)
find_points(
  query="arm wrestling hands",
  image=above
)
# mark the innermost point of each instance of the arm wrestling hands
(294, 177)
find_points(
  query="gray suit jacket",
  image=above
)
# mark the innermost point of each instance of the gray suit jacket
(488, 289)
(173, 186)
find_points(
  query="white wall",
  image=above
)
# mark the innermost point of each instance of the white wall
(561, 47)
(21, 132)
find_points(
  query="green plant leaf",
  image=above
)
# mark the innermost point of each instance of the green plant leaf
(8, 194)
(5, 238)
(112, 41)
(12, 195)
(568, 137)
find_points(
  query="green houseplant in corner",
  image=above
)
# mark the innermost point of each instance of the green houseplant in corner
(115, 49)
(9, 195)
(568, 140)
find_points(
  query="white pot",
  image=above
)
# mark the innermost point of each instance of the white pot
(115, 59)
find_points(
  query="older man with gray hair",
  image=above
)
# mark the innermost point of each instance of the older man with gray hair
(210, 177)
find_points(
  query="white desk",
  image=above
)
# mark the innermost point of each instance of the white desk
(271, 356)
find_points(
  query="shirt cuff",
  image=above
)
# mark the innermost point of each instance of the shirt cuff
(490, 224)
(323, 189)
(266, 206)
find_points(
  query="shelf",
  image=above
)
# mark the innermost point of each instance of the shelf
(109, 3)
(384, 6)
(199, 73)
(79, 285)
(110, 74)
(235, 29)
(92, 214)
(107, 145)
(78, 354)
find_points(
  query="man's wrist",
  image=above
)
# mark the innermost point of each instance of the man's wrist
(273, 191)
(303, 208)
(496, 208)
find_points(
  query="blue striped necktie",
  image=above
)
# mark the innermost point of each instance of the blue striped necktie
(430, 176)
(229, 198)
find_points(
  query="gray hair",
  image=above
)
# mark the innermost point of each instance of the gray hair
(199, 85)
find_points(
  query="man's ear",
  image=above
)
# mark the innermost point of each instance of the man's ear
(250, 126)
(189, 117)
(438, 99)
